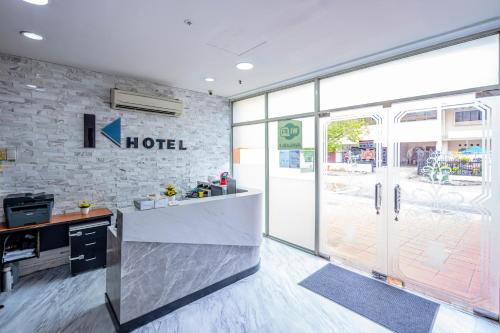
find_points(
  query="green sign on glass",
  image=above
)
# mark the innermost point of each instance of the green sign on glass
(289, 134)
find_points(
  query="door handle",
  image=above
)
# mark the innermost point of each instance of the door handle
(80, 257)
(378, 197)
(90, 259)
(90, 233)
(397, 201)
(76, 234)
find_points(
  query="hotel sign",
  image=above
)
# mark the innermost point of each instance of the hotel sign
(113, 132)
(148, 143)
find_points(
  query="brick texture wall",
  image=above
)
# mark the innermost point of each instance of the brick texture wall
(45, 125)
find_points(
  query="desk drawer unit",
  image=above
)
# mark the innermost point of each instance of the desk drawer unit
(87, 246)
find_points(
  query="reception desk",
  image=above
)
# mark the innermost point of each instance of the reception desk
(159, 260)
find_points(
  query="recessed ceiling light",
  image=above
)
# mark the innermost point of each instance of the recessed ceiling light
(31, 35)
(244, 66)
(209, 79)
(31, 86)
(37, 2)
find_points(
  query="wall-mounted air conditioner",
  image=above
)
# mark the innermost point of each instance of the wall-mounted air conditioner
(127, 100)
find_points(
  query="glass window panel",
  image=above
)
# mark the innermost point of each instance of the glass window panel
(249, 158)
(475, 115)
(291, 101)
(465, 115)
(419, 116)
(467, 65)
(249, 109)
(291, 181)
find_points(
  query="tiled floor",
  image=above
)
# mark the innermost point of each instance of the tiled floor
(268, 301)
(438, 237)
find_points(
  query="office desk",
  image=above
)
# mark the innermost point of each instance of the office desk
(54, 234)
(62, 219)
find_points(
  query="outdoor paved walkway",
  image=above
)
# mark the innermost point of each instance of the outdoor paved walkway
(438, 238)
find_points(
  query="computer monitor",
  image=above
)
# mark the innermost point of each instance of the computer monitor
(216, 190)
(231, 186)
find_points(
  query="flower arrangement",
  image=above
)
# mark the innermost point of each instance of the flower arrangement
(170, 191)
(84, 207)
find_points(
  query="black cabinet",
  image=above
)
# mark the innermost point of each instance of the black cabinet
(88, 246)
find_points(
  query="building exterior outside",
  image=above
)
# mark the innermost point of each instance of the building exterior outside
(454, 131)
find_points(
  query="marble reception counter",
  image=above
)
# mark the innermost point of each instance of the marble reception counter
(159, 260)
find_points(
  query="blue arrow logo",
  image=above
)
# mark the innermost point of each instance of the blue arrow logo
(113, 131)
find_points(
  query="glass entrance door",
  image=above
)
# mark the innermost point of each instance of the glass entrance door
(353, 173)
(442, 236)
(407, 191)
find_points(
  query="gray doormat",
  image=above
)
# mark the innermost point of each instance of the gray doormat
(388, 306)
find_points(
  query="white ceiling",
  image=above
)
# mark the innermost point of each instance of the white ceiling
(282, 38)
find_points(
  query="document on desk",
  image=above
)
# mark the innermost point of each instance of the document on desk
(18, 254)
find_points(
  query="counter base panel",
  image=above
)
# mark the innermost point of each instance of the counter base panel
(168, 308)
(155, 274)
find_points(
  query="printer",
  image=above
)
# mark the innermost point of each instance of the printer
(27, 208)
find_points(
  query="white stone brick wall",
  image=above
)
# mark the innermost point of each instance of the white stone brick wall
(46, 127)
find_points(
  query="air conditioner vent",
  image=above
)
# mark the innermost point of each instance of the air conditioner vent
(140, 102)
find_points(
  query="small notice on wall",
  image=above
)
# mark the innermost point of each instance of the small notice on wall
(289, 134)
(308, 156)
(290, 159)
(295, 159)
(284, 159)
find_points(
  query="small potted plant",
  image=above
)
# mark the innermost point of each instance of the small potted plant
(170, 192)
(84, 207)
